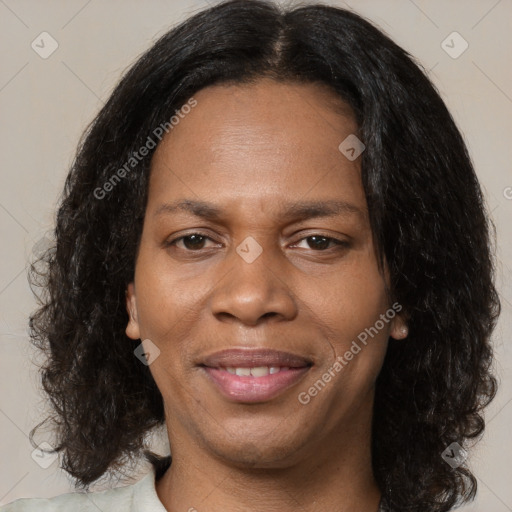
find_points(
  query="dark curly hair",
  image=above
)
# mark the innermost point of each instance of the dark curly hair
(427, 215)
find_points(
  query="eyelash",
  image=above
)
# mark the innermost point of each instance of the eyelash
(336, 241)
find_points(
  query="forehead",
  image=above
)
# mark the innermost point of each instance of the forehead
(261, 141)
(266, 107)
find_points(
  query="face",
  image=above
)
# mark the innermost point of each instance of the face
(257, 277)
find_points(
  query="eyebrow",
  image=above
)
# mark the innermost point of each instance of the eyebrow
(299, 210)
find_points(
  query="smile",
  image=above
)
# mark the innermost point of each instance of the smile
(254, 375)
(257, 371)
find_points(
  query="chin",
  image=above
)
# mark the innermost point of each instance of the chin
(276, 447)
(250, 456)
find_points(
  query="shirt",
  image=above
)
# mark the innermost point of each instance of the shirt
(138, 497)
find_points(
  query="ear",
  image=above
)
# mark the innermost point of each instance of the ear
(399, 329)
(132, 329)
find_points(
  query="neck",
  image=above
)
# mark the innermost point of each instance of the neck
(335, 474)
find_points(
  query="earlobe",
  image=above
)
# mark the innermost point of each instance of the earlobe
(132, 328)
(399, 329)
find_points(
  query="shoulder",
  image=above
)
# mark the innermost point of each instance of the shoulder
(129, 498)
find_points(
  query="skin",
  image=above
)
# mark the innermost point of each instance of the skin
(250, 150)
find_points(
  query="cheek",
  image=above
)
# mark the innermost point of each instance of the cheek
(351, 300)
(164, 299)
(169, 308)
(352, 306)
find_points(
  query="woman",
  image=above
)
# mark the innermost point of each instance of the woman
(272, 241)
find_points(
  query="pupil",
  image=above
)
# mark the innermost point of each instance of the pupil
(196, 241)
(322, 245)
(199, 240)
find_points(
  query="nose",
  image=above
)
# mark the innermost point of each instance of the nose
(254, 292)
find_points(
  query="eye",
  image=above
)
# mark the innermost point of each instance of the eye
(195, 242)
(320, 242)
(191, 242)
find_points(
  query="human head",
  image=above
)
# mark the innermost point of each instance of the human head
(425, 209)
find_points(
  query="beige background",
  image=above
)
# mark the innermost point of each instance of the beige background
(45, 105)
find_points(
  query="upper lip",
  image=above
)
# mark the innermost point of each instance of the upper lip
(251, 358)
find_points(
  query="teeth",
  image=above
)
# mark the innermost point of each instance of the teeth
(257, 371)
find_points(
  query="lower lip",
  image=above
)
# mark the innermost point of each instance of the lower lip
(254, 389)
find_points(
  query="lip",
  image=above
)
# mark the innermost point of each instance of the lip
(249, 389)
(249, 358)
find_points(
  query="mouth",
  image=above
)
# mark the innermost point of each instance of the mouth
(251, 376)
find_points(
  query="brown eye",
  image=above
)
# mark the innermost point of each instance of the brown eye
(321, 242)
(191, 242)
